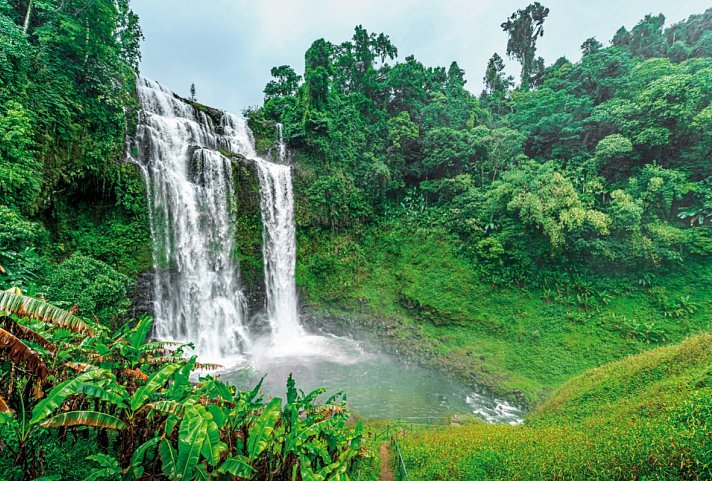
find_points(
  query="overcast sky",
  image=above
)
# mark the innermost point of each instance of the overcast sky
(227, 47)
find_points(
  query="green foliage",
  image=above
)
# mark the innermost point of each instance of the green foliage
(542, 197)
(599, 163)
(97, 288)
(160, 422)
(19, 238)
(646, 416)
(286, 82)
(20, 173)
(67, 81)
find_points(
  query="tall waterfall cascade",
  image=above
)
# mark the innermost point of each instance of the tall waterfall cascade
(192, 201)
(279, 245)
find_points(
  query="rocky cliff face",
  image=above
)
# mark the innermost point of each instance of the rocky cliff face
(249, 233)
(142, 295)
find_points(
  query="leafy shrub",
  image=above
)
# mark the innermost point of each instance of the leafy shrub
(20, 261)
(97, 289)
(648, 332)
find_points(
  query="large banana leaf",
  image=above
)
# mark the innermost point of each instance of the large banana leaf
(237, 466)
(252, 396)
(261, 432)
(216, 389)
(168, 407)
(212, 446)
(168, 458)
(62, 391)
(17, 352)
(292, 392)
(137, 336)
(201, 473)
(25, 306)
(307, 472)
(191, 436)
(116, 394)
(25, 333)
(140, 453)
(109, 467)
(84, 418)
(135, 470)
(155, 382)
(181, 384)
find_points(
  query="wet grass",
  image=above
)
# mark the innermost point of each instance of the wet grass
(645, 417)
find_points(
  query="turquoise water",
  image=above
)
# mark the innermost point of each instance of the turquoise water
(377, 386)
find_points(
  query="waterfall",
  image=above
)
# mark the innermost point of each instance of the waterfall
(198, 297)
(279, 245)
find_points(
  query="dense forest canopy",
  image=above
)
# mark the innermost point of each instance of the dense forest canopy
(485, 233)
(67, 83)
(600, 163)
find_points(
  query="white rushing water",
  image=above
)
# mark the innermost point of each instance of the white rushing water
(279, 247)
(198, 298)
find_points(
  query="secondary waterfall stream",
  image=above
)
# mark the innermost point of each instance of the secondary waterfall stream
(279, 246)
(185, 154)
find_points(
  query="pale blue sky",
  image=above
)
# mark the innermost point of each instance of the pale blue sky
(227, 47)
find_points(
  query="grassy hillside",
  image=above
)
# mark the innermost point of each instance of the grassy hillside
(414, 289)
(645, 417)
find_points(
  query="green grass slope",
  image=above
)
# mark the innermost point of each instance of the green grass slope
(647, 417)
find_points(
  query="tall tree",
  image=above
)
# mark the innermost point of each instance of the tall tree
(285, 82)
(495, 78)
(193, 93)
(647, 39)
(524, 28)
(317, 72)
(456, 76)
(590, 46)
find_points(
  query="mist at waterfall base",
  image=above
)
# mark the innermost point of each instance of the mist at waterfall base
(197, 291)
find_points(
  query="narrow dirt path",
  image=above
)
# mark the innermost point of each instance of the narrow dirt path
(386, 468)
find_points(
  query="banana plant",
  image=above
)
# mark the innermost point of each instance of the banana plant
(199, 447)
(29, 426)
(166, 423)
(13, 301)
(135, 413)
(196, 432)
(315, 435)
(31, 347)
(108, 467)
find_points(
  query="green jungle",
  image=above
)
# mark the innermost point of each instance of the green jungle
(548, 240)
